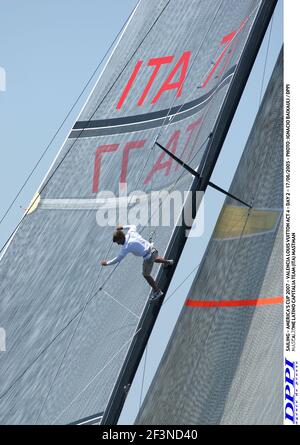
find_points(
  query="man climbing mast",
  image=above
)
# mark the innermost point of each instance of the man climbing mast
(135, 244)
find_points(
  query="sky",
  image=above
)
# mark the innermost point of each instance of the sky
(49, 49)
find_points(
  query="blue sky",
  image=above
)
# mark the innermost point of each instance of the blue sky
(48, 50)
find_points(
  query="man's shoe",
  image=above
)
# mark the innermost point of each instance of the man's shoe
(156, 295)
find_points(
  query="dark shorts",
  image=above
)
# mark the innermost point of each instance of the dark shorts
(148, 263)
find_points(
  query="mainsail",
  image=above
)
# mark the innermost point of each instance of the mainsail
(75, 332)
(223, 364)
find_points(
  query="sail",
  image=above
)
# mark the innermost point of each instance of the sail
(73, 330)
(223, 364)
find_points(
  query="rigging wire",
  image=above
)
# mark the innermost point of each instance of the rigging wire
(181, 283)
(111, 273)
(266, 58)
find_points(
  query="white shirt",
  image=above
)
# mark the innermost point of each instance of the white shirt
(134, 244)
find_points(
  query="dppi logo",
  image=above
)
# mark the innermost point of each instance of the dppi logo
(290, 393)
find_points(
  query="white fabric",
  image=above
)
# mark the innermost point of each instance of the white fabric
(134, 244)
